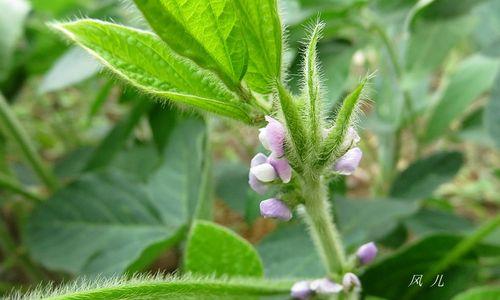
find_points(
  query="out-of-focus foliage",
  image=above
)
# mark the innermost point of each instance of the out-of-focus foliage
(133, 172)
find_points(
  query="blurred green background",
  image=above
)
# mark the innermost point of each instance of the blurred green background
(430, 135)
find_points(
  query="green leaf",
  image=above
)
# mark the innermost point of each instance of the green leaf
(390, 277)
(441, 9)
(182, 173)
(289, 252)
(473, 77)
(108, 223)
(492, 113)
(208, 32)
(73, 67)
(110, 146)
(167, 288)
(480, 293)
(161, 121)
(262, 30)
(231, 179)
(143, 60)
(362, 220)
(13, 15)
(430, 42)
(428, 221)
(487, 31)
(214, 250)
(101, 223)
(424, 176)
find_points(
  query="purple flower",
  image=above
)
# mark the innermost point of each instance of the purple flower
(272, 136)
(325, 286)
(265, 169)
(366, 253)
(351, 139)
(301, 290)
(346, 164)
(275, 208)
(350, 281)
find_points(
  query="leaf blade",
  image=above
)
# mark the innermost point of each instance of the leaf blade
(143, 60)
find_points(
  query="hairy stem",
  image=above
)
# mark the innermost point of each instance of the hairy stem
(323, 231)
(15, 130)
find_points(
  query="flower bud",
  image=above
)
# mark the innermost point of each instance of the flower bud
(325, 286)
(301, 290)
(348, 163)
(264, 172)
(366, 253)
(275, 208)
(350, 281)
(272, 137)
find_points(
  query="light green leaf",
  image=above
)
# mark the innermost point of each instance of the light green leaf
(289, 252)
(215, 250)
(208, 32)
(13, 15)
(146, 62)
(73, 67)
(159, 287)
(480, 293)
(473, 77)
(487, 31)
(424, 176)
(262, 30)
(492, 113)
(101, 223)
(430, 42)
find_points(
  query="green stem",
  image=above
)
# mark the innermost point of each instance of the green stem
(324, 233)
(14, 128)
(9, 248)
(11, 185)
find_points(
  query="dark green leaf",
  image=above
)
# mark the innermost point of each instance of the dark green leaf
(424, 176)
(98, 224)
(118, 136)
(390, 277)
(428, 221)
(289, 252)
(214, 250)
(365, 220)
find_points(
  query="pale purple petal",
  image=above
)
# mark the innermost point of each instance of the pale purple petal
(275, 136)
(258, 159)
(301, 290)
(257, 185)
(367, 252)
(263, 138)
(282, 167)
(275, 208)
(351, 139)
(325, 286)
(348, 163)
(350, 281)
(264, 172)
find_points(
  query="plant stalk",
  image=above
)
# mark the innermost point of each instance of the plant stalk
(323, 230)
(14, 128)
(11, 185)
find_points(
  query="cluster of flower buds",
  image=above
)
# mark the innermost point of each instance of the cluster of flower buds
(306, 289)
(265, 170)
